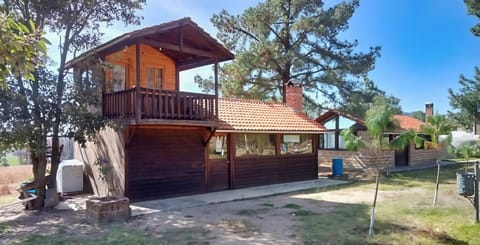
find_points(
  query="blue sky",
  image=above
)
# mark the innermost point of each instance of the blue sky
(426, 44)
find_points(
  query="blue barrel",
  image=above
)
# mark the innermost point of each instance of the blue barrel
(337, 167)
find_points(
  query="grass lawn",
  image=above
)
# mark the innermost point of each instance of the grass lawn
(13, 160)
(7, 199)
(404, 215)
(406, 218)
(116, 235)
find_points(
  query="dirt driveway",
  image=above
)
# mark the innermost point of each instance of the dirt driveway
(268, 220)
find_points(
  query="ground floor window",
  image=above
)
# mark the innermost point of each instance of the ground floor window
(296, 144)
(425, 144)
(254, 145)
(218, 147)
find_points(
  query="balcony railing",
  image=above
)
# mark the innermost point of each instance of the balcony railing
(160, 104)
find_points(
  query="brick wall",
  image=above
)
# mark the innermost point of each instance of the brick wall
(363, 159)
(355, 160)
(422, 156)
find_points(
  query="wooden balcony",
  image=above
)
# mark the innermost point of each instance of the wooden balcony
(160, 107)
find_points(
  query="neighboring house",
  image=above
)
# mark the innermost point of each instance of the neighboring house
(179, 143)
(332, 145)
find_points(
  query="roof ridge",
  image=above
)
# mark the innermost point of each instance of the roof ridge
(253, 100)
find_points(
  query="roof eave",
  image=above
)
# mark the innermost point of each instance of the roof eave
(269, 131)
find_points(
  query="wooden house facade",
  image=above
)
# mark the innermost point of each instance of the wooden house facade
(179, 143)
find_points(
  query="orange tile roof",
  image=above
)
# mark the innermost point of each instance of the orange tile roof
(260, 116)
(407, 122)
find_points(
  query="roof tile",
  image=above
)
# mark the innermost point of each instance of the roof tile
(254, 115)
(408, 122)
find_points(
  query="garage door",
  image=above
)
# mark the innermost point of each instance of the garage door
(164, 163)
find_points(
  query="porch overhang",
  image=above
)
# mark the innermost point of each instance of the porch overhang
(182, 40)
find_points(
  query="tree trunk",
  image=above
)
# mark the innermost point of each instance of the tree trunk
(39, 165)
(437, 183)
(374, 205)
(55, 160)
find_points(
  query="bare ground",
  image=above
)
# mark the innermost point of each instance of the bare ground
(268, 220)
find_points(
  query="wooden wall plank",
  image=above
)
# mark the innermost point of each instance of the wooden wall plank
(273, 170)
(150, 57)
(166, 162)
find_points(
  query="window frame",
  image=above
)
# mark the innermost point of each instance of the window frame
(336, 131)
(154, 79)
(225, 147)
(275, 145)
(427, 138)
(281, 143)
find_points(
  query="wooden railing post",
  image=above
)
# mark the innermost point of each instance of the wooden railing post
(138, 94)
(215, 109)
(159, 104)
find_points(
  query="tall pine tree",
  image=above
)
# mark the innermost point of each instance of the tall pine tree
(466, 102)
(473, 7)
(279, 40)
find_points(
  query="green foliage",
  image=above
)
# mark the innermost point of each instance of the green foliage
(4, 162)
(466, 102)
(115, 236)
(420, 115)
(27, 108)
(206, 84)
(405, 217)
(4, 227)
(473, 7)
(104, 168)
(344, 225)
(467, 150)
(247, 212)
(20, 46)
(293, 206)
(48, 103)
(359, 100)
(352, 142)
(436, 126)
(279, 40)
(269, 205)
(379, 120)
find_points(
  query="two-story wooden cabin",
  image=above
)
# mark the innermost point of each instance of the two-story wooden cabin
(177, 143)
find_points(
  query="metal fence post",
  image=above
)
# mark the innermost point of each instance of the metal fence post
(475, 198)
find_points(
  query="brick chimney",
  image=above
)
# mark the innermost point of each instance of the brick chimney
(294, 95)
(428, 110)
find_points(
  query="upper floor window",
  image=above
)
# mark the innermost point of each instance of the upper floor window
(118, 77)
(154, 77)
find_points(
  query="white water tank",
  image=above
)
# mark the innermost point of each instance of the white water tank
(70, 176)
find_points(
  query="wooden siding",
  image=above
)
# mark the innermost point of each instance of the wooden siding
(109, 145)
(218, 175)
(149, 57)
(274, 169)
(166, 162)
